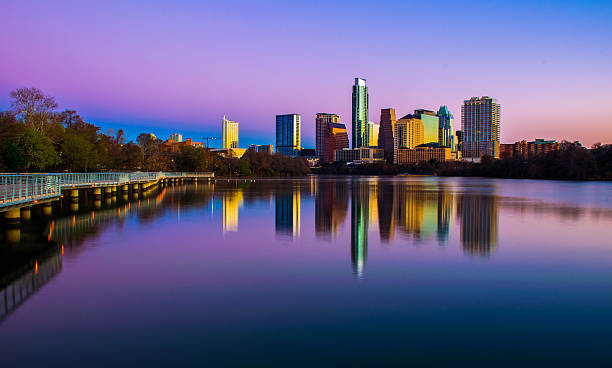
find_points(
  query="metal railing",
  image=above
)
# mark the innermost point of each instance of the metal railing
(17, 189)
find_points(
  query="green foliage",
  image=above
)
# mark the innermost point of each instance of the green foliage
(37, 151)
(192, 159)
(132, 157)
(265, 164)
(12, 157)
(78, 154)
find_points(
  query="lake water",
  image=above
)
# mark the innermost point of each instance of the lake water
(319, 271)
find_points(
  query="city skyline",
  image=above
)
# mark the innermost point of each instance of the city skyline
(116, 77)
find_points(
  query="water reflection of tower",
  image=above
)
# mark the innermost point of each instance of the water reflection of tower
(232, 201)
(445, 213)
(331, 206)
(287, 219)
(359, 225)
(409, 215)
(478, 223)
(386, 205)
(373, 202)
(423, 209)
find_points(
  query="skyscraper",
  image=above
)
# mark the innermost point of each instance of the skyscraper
(371, 134)
(430, 125)
(361, 103)
(337, 138)
(288, 134)
(386, 133)
(176, 137)
(446, 135)
(230, 134)
(480, 124)
(459, 136)
(408, 132)
(322, 135)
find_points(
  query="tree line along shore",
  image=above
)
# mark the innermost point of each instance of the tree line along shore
(35, 137)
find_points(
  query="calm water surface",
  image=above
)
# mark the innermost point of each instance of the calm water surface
(317, 271)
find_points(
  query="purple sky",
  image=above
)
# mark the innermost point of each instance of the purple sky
(165, 66)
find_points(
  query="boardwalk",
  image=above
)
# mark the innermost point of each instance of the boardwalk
(17, 190)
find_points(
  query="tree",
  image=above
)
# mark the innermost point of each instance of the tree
(10, 127)
(70, 118)
(148, 144)
(32, 107)
(78, 154)
(192, 159)
(37, 150)
(132, 156)
(12, 157)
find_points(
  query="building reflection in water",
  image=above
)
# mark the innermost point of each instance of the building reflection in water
(287, 213)
(421, 210)
(232, 202)
(478, 215)
(386, 207)
(360, 214)
(331, 206)
(445, 214)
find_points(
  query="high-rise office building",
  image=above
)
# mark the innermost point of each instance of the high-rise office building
(361, 103)
(459, 140)
(480, 124)
(430, 124)
(268, 148)
(338, 139)
(371, 134)
(176, 137)
(288, 134)
(446, 133)
(322, 135)
(408, 133)
(386, 133)
(230, 134)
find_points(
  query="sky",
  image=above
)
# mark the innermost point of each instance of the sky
(166, 66)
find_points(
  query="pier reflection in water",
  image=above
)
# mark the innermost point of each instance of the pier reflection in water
(341, 258)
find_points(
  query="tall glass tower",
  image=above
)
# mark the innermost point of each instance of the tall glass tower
(288, 135)
(480, 124)
(361, 103)
(387, 133)
(323, 122)
(446, 132)
(230, 134)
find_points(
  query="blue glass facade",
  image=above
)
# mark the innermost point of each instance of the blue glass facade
(288, 134)
(361, 103)
(480, 124)
(446, 135)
